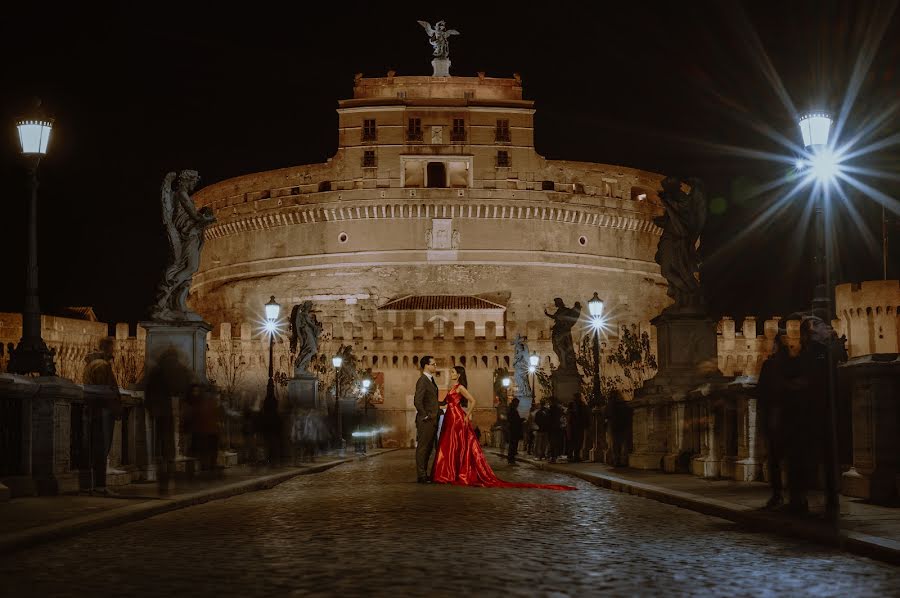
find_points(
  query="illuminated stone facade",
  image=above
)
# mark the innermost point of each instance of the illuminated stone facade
(435, 189)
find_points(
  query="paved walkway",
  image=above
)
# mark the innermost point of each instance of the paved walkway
(866, 529)
(31, 520)
(367, 529)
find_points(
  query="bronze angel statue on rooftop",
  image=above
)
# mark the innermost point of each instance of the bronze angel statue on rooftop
(677, 254)
(185, 226)
(439, 37)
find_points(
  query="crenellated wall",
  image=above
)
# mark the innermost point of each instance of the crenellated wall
(869, 316)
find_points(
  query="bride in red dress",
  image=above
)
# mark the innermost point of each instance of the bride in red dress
(460, 460)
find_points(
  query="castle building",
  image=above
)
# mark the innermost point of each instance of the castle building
(436, 228)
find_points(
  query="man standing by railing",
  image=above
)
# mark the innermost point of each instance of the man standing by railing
(103, 410)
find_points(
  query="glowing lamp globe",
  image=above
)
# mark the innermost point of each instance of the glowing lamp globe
(534, 360)
(272, 309)
(815, 128)
(366, 383)
(506, 382)
(337, 361)
(595, 306)
(34, 135)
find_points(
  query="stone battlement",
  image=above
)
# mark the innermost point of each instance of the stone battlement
(870, 313)
(480, 88)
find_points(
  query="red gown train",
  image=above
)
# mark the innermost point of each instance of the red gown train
(460, 460)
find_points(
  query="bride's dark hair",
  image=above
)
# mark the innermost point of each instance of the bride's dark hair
(462, 375)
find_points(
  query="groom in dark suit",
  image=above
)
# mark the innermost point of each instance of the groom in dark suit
(427, 411)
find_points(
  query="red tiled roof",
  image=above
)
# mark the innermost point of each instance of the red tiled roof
(79, 313)
(440, 302)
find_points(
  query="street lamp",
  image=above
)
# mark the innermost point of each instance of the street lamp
(533, 361)
(366, 384)
(32, 354)
(272, 311)
(337, 361)
(595, 306)
(815, 129)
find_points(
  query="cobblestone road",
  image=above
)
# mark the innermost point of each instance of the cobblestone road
(366, 528)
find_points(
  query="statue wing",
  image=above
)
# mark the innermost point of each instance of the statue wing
(697, 209)
(295, 332)
(452, 32)
(428, 29)
(167, 197)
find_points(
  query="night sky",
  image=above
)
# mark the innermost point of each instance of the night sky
(138, 91)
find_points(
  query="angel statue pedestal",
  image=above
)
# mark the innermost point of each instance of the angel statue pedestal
(185, 338)
(174, 363)
(303, 391)
(441, 67)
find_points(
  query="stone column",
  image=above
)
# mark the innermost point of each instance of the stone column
(50, 436)
(748, 466)
(875, 405)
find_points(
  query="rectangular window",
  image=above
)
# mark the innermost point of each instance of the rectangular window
(502, 133)
(458, 132)
(369, 159)
(414, 130)
(503, 159)
(369, 131)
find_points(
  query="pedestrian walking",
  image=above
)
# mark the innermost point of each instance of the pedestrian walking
(770, 397)
(556, 419)
(806, 405)
(167, 383)
(514, 421)
(102, 410)
(577, 424)
(542, 433)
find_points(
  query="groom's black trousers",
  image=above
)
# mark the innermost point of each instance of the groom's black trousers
(426, 431)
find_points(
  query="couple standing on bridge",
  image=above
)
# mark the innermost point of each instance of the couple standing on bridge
(459, 459)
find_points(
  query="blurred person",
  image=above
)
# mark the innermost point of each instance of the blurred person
(530, 428)
(203, 425)
(770, 397)
(515, 431)
(555, 419)
(102, 412)
(580, 424)
(806, 405)
(542, 432)
(168, 382)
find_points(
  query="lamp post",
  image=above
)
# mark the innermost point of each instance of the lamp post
(337, 361)
(366, 385)
(272, 311)
(595, 306)
(815, 129)
(533, 362)
(32, 354)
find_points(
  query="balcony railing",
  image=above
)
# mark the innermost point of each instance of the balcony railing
(457, 136)
(414, 135)
(369, 136)
(502, 135)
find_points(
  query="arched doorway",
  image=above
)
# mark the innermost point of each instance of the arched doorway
(436, 175)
